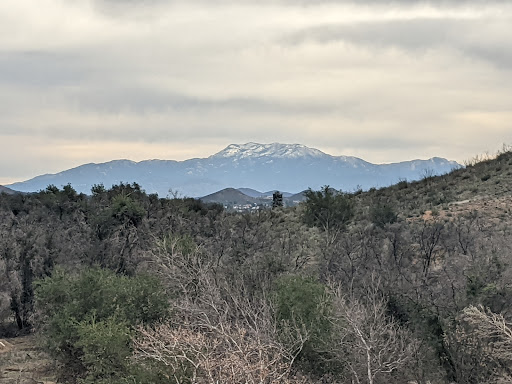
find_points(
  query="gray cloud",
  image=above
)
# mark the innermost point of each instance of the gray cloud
(124, 3)
(499, 55)
(141, 100)
(41, 69)
(419, 36)
(385, 81)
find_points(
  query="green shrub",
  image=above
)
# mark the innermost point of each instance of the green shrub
(105, 347)
(327, 208)
(125, 209)
(88, 320)
(304, 303)
(381, 215)
(402, 184)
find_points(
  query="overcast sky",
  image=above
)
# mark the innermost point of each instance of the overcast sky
(95, 80)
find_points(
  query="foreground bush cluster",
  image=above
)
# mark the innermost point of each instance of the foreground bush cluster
(125, 287)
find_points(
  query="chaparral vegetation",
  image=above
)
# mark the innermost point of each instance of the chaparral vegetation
(406, 284)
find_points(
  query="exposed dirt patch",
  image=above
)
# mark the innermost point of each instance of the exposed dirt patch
(23, 362)
(495, 209)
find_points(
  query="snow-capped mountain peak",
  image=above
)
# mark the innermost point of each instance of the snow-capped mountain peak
(275, 150)
(264, 167)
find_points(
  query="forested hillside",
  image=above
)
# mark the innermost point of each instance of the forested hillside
(410, 283)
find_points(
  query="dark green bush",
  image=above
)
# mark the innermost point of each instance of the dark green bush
(327, 208)
(304, 303)
(126, 210)
(382, 214)
(402, 184)
(105, 347)
(89, 319)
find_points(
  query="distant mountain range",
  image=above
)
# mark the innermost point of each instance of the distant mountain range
(256, 167)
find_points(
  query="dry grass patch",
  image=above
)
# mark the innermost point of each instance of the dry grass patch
(23, 362)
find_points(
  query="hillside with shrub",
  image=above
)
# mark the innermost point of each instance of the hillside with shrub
(410, 283)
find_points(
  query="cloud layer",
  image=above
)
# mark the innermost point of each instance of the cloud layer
(93, 80)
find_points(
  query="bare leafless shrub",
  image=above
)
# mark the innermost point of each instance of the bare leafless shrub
(482, 346)
(227, 342)
(222, 333)
(183, 265)
(373, 345)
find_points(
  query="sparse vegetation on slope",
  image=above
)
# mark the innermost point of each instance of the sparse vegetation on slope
(481, 180)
